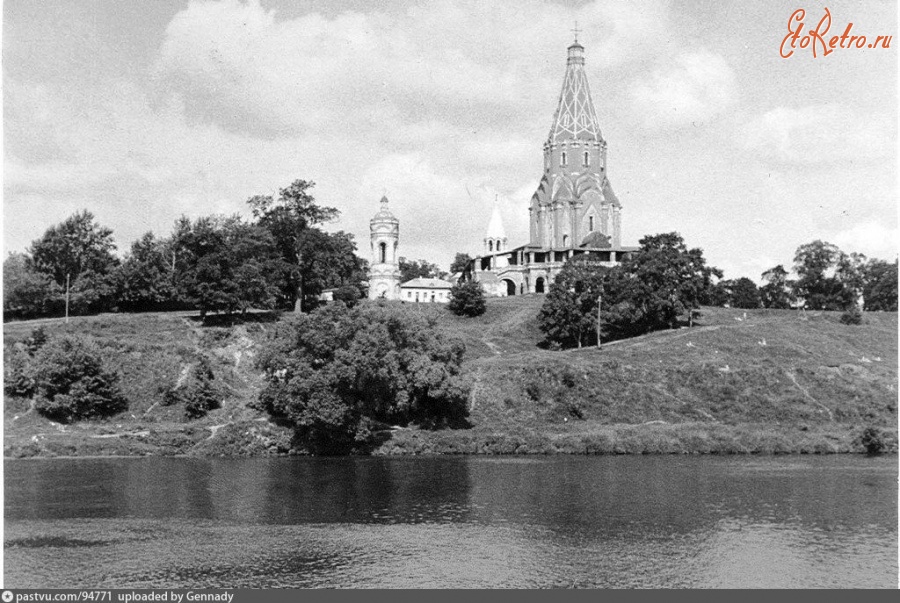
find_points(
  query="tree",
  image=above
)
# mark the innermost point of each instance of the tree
(327, 260)
(336, 372)
(77, 246)
(287, 218)
(648, 291)
(70, 382)
(145, 280)
(460, 262)
(467, 299)
(744, 294)
(880, 286)
(28, 293)
(777, 293)
(568, 315)
(827, 278)
(417, 269)
(224, 264)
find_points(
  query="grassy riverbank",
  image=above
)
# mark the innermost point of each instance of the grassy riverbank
(760, 381)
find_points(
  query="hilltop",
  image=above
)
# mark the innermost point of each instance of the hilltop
(738, 381)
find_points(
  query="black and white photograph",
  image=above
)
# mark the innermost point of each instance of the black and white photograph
(451, 294)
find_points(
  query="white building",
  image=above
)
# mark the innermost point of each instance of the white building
(426, 290)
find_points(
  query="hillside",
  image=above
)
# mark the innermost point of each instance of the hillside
(754, 381)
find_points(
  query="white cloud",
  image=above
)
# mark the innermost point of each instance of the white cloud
(695, 87)
(873, 239)
(820, 134)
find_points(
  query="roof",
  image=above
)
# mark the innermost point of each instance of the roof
(495, 226)
(426, 283)
(384, 214)
(575, 117)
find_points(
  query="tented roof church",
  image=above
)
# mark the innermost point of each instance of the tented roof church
(574, 210)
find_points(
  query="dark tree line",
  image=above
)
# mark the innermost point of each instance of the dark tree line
(280, 259)
(827, 279)
(665, 282)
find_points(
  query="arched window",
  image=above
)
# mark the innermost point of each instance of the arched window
(591, 224)
(490, 245)
(383, 248)
(565, 240)
(587, 159)
(562, 158)
(498, 245)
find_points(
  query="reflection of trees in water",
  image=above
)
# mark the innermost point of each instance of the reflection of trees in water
(605, 495)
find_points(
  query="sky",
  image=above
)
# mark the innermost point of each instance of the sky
(143, 112)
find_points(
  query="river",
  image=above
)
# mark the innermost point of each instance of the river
(636, 521)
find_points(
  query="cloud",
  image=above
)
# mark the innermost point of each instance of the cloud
(694, 88)
(872, 239)
(820, 134)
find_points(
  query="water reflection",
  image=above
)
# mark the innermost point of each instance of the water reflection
(547, 521)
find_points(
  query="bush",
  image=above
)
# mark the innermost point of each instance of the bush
(337, 372)
(873, 440)
(852, 316)
(17, 376)
(71, 384)
(467, 299)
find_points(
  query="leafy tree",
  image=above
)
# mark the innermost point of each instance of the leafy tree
(744, 294)
(880, 286)
(467, 299)
(288, 218)
(460, 262)
(28, 293)
(417, 269)
(70, 382)
(348, 294)
(145, 279)
(777, 293)
(335, 372)
(328, 260)
(224, 264)
(827, 279)
(568, 315)
(75, 247)
(646, 292)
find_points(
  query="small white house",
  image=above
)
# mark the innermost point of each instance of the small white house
(426, 290)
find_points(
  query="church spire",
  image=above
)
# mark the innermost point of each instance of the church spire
(575, 117)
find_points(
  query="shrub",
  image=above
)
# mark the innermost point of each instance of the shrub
(467, 299)
(347, 294)
(17, 376)
(336, 372)
(873, 440)
(853, 316)
(200, 395)
(71, 384)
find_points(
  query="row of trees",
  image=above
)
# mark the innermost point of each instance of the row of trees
(665, 281)
(647, 291)
(279, 259)
(827, 279)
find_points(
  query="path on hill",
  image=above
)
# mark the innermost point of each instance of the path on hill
(504, 332)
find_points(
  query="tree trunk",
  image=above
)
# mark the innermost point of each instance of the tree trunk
(298, 301)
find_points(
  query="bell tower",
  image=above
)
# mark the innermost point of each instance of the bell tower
(384, 271)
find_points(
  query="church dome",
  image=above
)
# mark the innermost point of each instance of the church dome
(384, 214)
(596, 240)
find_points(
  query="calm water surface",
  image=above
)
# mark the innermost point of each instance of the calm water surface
(452, 522)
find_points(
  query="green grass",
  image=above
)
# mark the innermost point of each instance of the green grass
(762, 381)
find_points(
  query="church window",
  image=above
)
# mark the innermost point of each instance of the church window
(587, 159)
(383, 249)
(498, 245)
(591, 224)
(565, 240)
(490, 245)
(562, 158)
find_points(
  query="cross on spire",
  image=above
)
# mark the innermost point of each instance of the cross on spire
(576, 31)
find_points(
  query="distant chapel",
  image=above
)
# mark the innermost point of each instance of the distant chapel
(574, 210)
